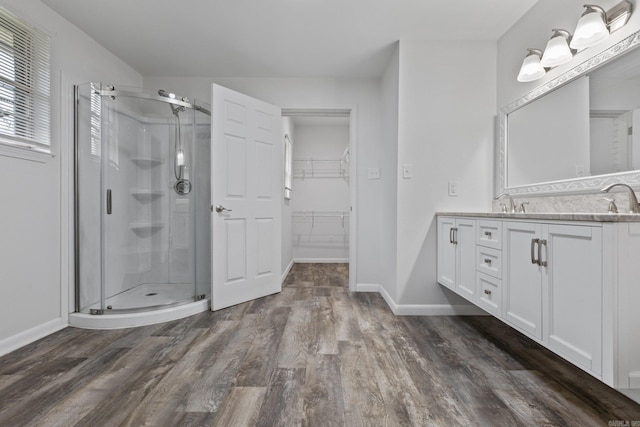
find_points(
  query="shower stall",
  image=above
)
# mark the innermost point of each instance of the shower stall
(142, 200)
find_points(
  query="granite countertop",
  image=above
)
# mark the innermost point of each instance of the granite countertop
(560, 216)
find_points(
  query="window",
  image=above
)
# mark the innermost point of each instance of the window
(24, 85)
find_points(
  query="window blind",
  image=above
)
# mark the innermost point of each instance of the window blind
(24, 84)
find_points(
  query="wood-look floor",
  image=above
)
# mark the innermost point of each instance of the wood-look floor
(315, 355)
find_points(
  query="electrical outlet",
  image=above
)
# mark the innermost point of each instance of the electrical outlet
(407, 171)
(453, 188)
(373, 173)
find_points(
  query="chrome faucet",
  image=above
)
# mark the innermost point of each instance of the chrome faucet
(512, 204)
(633, 200)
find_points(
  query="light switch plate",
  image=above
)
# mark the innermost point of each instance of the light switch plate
(453, 188)
(373, 173)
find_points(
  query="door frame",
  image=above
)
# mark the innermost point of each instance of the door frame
(350, 111)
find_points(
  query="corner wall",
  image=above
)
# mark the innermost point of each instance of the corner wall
(287, 210)
(389, 174)
(447, 93)
(36, 221)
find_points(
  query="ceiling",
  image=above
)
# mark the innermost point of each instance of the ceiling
(279, 38)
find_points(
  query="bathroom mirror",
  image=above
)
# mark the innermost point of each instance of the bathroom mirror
(574, 133)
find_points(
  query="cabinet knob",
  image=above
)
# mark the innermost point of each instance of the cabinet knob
(487, 261)
(488, 234)
(487, 291)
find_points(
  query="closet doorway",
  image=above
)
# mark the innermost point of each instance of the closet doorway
(322, 197)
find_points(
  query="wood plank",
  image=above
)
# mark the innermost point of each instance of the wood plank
(323, 319)
(363, 401)
(258, 363)
(323, 398)
(346, 324)
(241, 407)
(283, 403)
(298, 342)
(218, 372)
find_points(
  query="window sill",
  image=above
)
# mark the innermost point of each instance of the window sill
(24, 153)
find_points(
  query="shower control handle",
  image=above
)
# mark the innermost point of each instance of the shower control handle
(221, 209)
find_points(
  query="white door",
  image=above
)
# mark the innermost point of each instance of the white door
(446, 252)
(466, 257)
(246, 193)
(522, 298)
(574, 294)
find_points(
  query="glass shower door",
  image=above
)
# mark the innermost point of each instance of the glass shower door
(147, 243)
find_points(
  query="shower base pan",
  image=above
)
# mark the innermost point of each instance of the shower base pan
(145, 304)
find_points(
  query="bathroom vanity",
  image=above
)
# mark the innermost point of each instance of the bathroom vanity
(570, 282)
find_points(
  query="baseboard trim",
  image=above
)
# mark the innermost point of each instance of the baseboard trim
(367, 287)
(286, 272)
(421, 309)
(321, 260)
(21, 339)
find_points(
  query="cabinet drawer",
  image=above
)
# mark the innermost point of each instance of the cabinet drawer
(489, 261)
(489, 234)
(489, 293)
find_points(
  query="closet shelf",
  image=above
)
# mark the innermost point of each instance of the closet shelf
(320, 214)
(324, 216)
(144, 195)
(146, 162)
(320, 168)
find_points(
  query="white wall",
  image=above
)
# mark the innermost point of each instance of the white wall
(363, 94)
(288, 128)
(446, 116)
(389, 169)
(35, 221)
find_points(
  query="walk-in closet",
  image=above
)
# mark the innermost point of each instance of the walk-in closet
(319, 203)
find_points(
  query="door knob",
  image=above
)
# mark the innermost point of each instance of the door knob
(221, 209)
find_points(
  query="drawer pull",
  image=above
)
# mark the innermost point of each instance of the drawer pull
(487, 261)
(488, 234)
(487, 291)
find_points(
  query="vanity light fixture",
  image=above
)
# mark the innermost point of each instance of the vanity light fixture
(531, 68)
(557, 51)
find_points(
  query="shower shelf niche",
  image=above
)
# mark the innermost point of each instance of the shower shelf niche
(146, 229)
(144, 195)
(146, 162)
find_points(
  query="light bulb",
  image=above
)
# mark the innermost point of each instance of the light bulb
(557, 51)
(531, 68)
(591, 28)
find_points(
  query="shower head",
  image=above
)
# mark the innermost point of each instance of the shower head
(175, 109)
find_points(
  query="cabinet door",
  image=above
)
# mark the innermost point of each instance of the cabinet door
(573, 294)
(466, 258)
(522, 294)
(446, 253)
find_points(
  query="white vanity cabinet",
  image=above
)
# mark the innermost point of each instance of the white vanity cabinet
(572, 285)
(457, 255)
